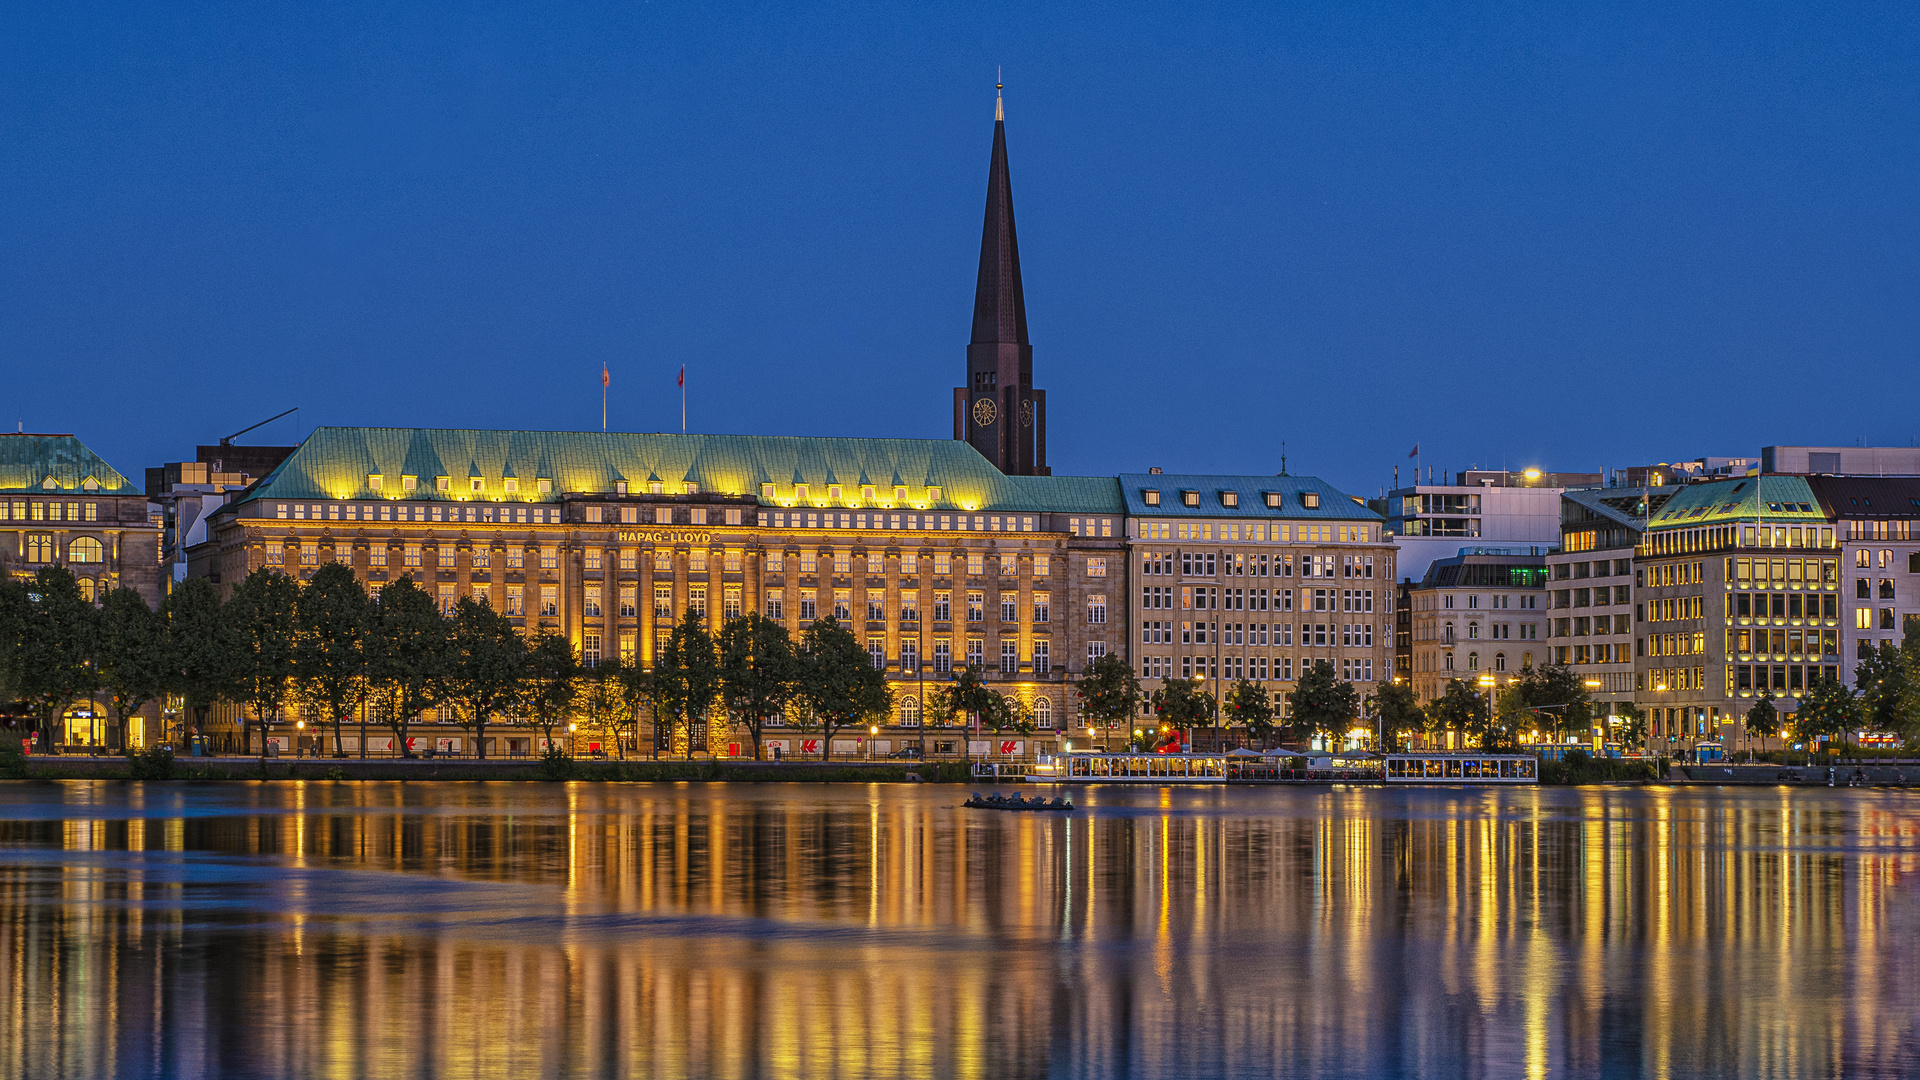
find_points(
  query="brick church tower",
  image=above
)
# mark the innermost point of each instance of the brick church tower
(999, 411)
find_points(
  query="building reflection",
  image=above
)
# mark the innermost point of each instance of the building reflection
(414, 930)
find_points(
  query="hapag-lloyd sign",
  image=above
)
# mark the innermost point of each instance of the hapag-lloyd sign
(665, 536)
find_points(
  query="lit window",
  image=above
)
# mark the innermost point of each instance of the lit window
(86, 550)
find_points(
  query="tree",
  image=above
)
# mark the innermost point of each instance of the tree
(1763, 720)
(14, 617)
(686, 678)
(1323, 704)
(838, 682)
(1249, 705)
(1633, 725)
(58, 647)
(408, 650)
(635, 684)
(1398, 709)
(1108, 692)
(603, 704)
(1457, 709)
(132, 654)
(757, 672)
(968, 694)
(551, 682)
(1557, 695)
(1887, 690)
(1829, 709)
(1181, 704)
(329, 645)
(259, 632)
(202, 650)
(486, 658)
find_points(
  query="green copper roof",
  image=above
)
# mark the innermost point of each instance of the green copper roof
(1750, 498)
(56, 464)
(338, 463)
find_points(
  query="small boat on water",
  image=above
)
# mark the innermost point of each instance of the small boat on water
(1016, 801)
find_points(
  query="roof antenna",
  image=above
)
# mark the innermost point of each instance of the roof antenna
(999, 108)
(1283, 457)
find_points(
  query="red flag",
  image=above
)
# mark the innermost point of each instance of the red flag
(1415, 452)
(683, 374)
(604, 377)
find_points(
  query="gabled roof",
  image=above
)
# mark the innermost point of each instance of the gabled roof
(1747, 498)
(333, 464)
(29, 461)
(1250, 494)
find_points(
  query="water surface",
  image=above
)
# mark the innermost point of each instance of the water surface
(664, 930)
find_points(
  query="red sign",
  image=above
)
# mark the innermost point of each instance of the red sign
(1008, 746)
(809, 746)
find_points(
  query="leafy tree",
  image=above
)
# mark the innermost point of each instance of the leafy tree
(941, 707)
(1005, 712)
(636, 685)
(259, 630)
(1322, 703)
(1108, 692)
(57, 650)
(1182, 705)
(1398, 710)
(408, 649)
(551, 683)
(757, 672)
(969, 694)
(1494, 732)
(1558, 695)
(1763, 720)
(1829, 709)
(838, 682)
(1633, 725)
(1249, 705)
(329, 647)
(203, 666)
(686, 677)
(486, 659)
(1887, 690)
(132, 654)
(603, 703)
(1457, 709)
(14, 617)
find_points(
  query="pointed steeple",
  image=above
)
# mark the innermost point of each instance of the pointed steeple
(999, 411)
(999, 304)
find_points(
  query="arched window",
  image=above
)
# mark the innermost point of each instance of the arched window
(39, 548)
(86, 550)
(1449, 662)
(1043, 712)
(909, 711)
(1499, 661)
(1473, 661)
(86, 589)
(1473, 630)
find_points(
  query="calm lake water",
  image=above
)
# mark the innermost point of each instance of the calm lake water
(545, 930)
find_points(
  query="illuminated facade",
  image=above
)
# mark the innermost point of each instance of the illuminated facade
(1255, 577)
(933, 558)
(1591, 593)
(1479, 613)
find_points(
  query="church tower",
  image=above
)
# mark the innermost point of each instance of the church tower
(999, 412)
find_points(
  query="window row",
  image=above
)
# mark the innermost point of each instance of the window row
(24, 510)
(45, 548)
(478, 513)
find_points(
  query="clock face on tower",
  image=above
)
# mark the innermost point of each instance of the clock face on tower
(983, 412)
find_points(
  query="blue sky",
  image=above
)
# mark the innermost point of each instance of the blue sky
(1565, 235)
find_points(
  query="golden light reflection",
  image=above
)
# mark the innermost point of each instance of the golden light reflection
(729, 930)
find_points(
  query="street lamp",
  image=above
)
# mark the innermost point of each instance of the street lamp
(1488, 682)
(572, 750)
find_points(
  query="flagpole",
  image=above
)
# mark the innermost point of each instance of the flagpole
(683, 399)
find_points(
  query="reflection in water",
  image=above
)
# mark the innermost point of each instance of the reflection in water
(363, 929)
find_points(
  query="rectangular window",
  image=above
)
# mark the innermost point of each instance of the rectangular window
(549, 600)
(697, 561)
(1042, 657)
(629, 601)
(976, 653)
(549, 558)
(942, 607)
(876, 608)
(662, 560)
(976, 564)
(592, 558)
(842, 604)
(516, 600)
(1042, 565)
(1009, 657)
(909, 607)
(1096, 566)
(627, 558)
(942, 564)
(697, 600)
(1042, 607)
(1009, 607)
(590, 602)
(776, 605)
(909, 656)
(877, 655)
(1009, 565)
(1097, 608)
(663, 602)
(809, 562)
(809, 605)
(516, 558)
(976, 607)
(446, 597)
(942, 656)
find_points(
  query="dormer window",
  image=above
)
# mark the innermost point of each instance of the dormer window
(933, 495)
(1229, 498)
(800, 492)
(866, 493)
(1150, 496)
(545, 485)
(1272, 498)
(512, 485)
(375, 481)
(1310, 499)
(833, 492)
(443, 483)
(476, 483)
(693, 488)
(766, 491)
(409, 483)
(1190, 498)
(619, 487)
(90, 484)
(656, 487)
(899, 494)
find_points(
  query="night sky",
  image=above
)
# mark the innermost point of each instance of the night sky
(1571, 236)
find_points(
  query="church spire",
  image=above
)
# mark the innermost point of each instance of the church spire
(999, 411)
(999, 304)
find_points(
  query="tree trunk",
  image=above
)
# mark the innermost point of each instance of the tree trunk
(479, 737)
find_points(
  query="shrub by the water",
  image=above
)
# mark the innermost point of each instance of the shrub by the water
(13, 761)
(151, 764)
(556, 764)
(1580, 767)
